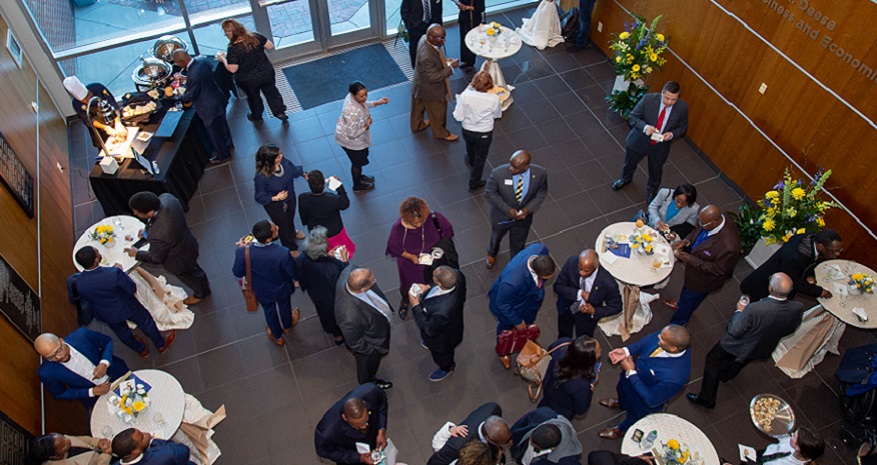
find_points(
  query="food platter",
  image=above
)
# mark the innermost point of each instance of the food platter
(772, 415)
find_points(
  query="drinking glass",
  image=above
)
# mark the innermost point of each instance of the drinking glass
(117, 222)
(158, 419)
(106, 432)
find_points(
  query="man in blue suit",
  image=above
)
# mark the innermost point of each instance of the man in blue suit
(359, 417)
(517, 293)
(585, 294)
(111, 294)
(135, 446)
(80, 366)
(273, 271)
(209, 101)
(660, 371)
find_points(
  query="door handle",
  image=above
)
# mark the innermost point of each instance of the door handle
(267, 3)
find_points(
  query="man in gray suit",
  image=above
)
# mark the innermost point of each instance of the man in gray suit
(363, 314)
(515, 191)
(432, 87)
(656, 120)
(753, 334)
(171, 242)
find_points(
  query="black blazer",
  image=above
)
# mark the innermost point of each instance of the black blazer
(366, 331)
(604, 297)
(203, 92)
(755, 332)
(171, 242)
(501, 194)
(451, 450)
(412, 13)
(441, 318)
(323, 210)
(336, 440)
(318, 278)
(646, 112)
(796, 258)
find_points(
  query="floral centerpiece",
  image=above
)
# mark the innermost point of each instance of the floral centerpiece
(104, 234)
(674, 453)
(131, 398)
(862, 283)
(793, 207)
(638, 49)
(641, 239)
(494, 29)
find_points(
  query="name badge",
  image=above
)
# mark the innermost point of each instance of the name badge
(508, 182)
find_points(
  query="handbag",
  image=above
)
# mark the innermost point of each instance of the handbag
(533, 363)
(246, 285)
(569, 23)
(513, 340)
(447, 257)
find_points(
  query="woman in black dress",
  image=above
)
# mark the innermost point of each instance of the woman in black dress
(317, 274)
(471, 14)
(252, 70)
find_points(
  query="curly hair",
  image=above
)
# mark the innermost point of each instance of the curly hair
(265, 159)
(478, 453)
(580, 360)
(239, 32)
(413, 210)
(482, 82)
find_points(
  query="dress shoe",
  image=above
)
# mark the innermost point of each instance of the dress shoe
(278, 341)
(403, 310)
(383, 384)
(364, 187)
(218, 161)
(673, 304)
(168, 340)
(618, 184)
(339, 341)
(489, 261)
(697, 400)
(649, 197)
(367, 178)
(451, 138)
(423, 344)
(478, 186)
(253, 118)
(609, 402)
(611, 433)
(506, 361)
(296, 314)
(191, 300)
(145, 352)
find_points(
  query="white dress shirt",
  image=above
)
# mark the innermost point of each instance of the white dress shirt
(83, 367)
(477, 110)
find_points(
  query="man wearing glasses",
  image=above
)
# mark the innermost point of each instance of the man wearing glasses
(710, 254)
(432, 87)
(80, 366)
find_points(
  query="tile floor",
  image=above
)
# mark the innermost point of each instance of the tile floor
(275, 396)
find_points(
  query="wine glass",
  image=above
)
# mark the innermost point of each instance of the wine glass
(158, 419)
(117, 222)
(106, 432)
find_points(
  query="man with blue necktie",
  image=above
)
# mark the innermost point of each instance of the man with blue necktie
(710, 254)
(655, 368)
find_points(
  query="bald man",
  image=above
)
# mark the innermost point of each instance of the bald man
(431, 86)
(515, 191)
(80, 366)
(203, 92)
(359, 417)
(586, 293)
(753, 334)
(710, 254)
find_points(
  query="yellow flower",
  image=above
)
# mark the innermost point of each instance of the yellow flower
(772, 195)
(624, 35)
(768, 225)
(787, 237)
(673, 444)
(820, 221)
(798, 193)
(858, 276)
(618, 59)
(139, 406)
(800, 231)
(769, 241)
(648, 248)
(648, 69)
(791, 212)
(635, 68)
(653, 57)
(491, 32)
(647, 238)
(635, 245)
(660, 37)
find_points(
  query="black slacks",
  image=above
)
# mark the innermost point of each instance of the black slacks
(477, 147)
(282, 214)
(518, 231)
(196, 279)
(414, 35)
(266, 85)
(720, 367)
(571, 326)
(444, 360)
(657, 154)
(367, 367)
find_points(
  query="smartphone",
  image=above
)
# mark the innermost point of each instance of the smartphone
(140, 243)
(637, 435)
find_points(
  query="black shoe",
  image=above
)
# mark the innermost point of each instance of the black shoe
(364, 187)
(650, 196)
(383, 384)
(617, 185)
(218, 161)
(253, 118)
(480, 184)
(697, 400)
(576, 48)
(366, 178)
(403, 311)
(284, 121)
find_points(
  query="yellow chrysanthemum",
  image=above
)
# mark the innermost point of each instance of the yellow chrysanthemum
(820, 222)
(647, 238)
(635, 68)
(653, 57)
(858, 276)
(673, 444)
(772, 195)
(618, 59)
(660, 37)
(798, 193)
(768, 225)
(624, 35)
(648, 69)
(635, 245)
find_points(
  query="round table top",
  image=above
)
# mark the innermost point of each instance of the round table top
(670, 427)
(507, 43)
(126, 226)
(831, 272)
(168, 404)
(637, 270)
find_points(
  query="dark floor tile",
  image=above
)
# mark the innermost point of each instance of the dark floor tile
(556, 131)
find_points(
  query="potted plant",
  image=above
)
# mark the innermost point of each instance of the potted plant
(638, 52)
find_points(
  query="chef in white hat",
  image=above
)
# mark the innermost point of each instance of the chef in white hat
(82, 94)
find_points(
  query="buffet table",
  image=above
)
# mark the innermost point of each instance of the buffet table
(181, 161)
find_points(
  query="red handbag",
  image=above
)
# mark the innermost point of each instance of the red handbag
(513, 340)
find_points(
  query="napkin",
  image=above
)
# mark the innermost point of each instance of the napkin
(610, 258)
(840, 289)
(860, 312)
(747, 454)
(834, 272)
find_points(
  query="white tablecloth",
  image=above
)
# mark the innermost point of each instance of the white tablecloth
(670, 427)
(506, 44)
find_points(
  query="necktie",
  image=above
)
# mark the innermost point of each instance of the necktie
(379, 304)
(519, 189)
(660, 124)
(427, 13)
(700, 238)
(656, 352)
(539, 283)
(447, 80)
(574, 308)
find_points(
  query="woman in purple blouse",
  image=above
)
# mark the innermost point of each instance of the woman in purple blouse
(416, 232)
(275, 191)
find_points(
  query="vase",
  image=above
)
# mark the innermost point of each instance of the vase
(761, 252)
(109, 244)
(622, 84)
(855, 290)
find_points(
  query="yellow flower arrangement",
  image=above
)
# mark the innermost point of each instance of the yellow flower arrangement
(768, 224)
(675, 453)
(624, 35)
(641, 48)
(862, 282)
(494, 29)
(103, 234)
(793, 207)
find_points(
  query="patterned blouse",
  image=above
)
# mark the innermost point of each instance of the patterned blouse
(350, 131)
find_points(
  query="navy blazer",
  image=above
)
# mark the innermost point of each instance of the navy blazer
(657, 379)
(64, 384)
(441, 318)
(514, 296)
(646, 112)
(272, 269)
(109, 290)
(572, 396)
(604, 297)
(451, 450)
(521, 438)
(203, 92)
(161, 452)
(336, 440)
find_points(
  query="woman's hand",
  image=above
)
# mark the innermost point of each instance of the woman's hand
(368, 123)
(413, 258)
(383, 101)
(282, 195)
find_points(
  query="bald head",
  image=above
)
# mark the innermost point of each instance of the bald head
(181, 58)
(435, 35)
(519, 162)
(360, 280)
(674, 339)
(354, 408)
(46, 344)
(710, 217)
(589, 261)
(780, 285)
(497, 430)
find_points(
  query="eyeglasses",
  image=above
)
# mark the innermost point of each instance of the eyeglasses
(438, 38)
(702, 224)
(55, 355)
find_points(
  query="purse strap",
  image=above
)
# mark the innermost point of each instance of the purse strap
(249, 273)
(558, 347)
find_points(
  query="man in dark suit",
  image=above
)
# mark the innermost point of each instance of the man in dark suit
(359, 417)
(585, 294)
(440, 317)
(607, 457)
(80, 366)
(431, 88)
(544, 437)
(171, 242)
(710, 254)
(203, 92)
(363, 314)
(753, 334)
(485, 425)
(797, 258)
(273, 272)
(135, 446)
(517, 294)
(417, 16)
(515, 192)
(656, 120)
(111, 295)
(660, 371)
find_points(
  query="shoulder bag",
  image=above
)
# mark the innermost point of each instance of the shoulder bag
(247, 284)
(444, 252)
(533, 363)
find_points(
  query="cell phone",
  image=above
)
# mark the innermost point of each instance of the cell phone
(140, 243)
(637, 435)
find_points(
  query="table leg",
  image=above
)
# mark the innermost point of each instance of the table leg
(492, 68)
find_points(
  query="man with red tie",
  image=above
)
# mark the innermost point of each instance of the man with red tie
(656, 120)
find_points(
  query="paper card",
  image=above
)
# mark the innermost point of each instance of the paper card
(610, 258)
(334, 183)
(747, 454)
(425, 259)
(658, 137)
(363, 448)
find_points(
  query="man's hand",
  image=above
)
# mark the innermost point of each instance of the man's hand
(617, 355)
(825, 294)
(811, 279)
(460, 6)
(105, 446)
(523, 213)
(662, 226)
(366, 458)
(140, 233)
(131, 251)
(459, 431)
(650, 130)
(455, 63)
(585, 295)
(683, 257)
(668, 136)
(101, 389)
(587, 309)
(381, 441)
(740, 305)
(512, 213)
(413, 299)
(679, 246)
(627, 364)
(522, 326)
(100, 370)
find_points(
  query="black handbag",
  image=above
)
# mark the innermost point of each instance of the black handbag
(448, 254)
(569, 23)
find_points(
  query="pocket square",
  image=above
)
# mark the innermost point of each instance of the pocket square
(707, 253)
